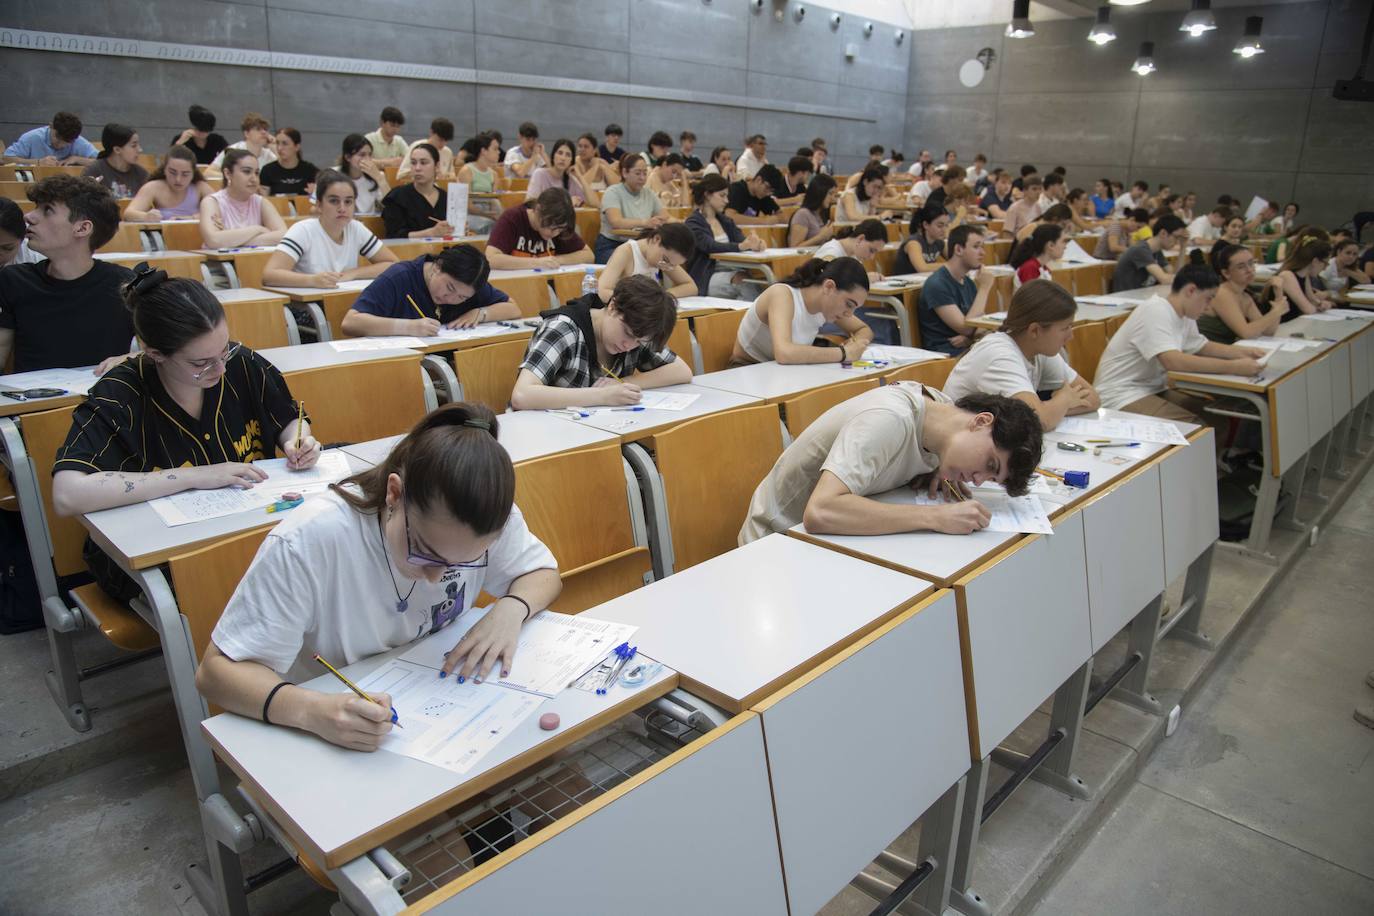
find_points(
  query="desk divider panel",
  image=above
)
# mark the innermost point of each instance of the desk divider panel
(1124, 544)
(1188, 499)
(1289, 432)
(1319, 407)
(1341, 401)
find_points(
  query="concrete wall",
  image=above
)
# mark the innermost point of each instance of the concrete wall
(1205, 121)
(715, 46)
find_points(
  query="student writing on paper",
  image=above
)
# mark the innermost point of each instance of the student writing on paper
(812, 223)
(750, 200)
(588, 355)
(58, 143)
(192, 411)
(65, 312)
(1024, 358)
(714, 232)
(1033, 257)
(449, 289)
(658, 252)
(860, 241)
(1234, 314)
(950, 297)
(173, 191)
(323, 251)
(235, 215)
(1298, 281)
(538, 234)
(390, 555)
(1055, 215)
(923, 250)
(893, 436)
(419, 209)
(1161, 336)
(784, 321)
(355, 161)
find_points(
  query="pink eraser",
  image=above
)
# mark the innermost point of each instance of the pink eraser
(548, 721)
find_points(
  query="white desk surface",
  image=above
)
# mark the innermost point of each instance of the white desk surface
(772, 381)
(1087, 311)
(316, 294)
(707, 304)
(248, 294)
(542, 272)
(745, 623)
(227, 254)
(760, 257)
(526, 434)
(321, 354)
(637, 424)
(446, 239)
(289, 767)
(898, 283)
(152, 257)
(138, 535)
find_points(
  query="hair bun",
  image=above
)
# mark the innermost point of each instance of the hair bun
(146, 277)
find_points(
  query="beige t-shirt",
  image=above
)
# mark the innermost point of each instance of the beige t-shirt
(871, 442)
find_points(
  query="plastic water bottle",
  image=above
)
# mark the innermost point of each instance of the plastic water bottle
(589, 280)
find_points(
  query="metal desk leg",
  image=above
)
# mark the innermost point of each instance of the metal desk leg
(924, 889)
(445, 380)
(655, 508)
(1316, 465)
(1128, 682)
(1067, 714)
(899, 315)
(1186, 624)
(963, 898)
(1340, 444)
(1292, 481)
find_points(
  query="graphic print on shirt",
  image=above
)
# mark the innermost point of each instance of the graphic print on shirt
(448, 610)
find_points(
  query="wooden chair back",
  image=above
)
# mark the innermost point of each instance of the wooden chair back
(1091, 280)
(48, 171)
(577, 504)
(886, 260)
(706, 511)
(183, 237)
(680, 341)
(355, 402)
(530, 293)
(249, 267)
(128, 237)
(588, 224)
(1000, 297)
(15, 190)
(1086, 346)
(932, 374)
(1115, 322)
(716, 337)
(599, 582)
(43, 433)
(281, 203)
(567, 286)
(205, 579)
(801, 411)
(488, 373)
(258, 323)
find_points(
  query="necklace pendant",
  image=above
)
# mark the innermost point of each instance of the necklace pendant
(401, 605)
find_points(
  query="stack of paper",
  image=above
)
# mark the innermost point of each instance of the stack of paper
(73, 381)
(1123, 301)
(200, 505)
(1141, 429)
(355, 344)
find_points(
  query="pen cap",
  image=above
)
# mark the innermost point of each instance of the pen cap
(1076, 479)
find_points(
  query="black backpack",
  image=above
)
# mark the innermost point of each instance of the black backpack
(20, 608)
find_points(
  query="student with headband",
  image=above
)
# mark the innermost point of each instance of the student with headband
(388, 556)
(414, 298)
(192, 411)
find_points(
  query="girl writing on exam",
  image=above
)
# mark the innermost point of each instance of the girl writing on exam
(659, 253)
(416, 298)
(419, 209)
(324, 251)
(192, 411)
(173, 191)
(235, 215)
(784, 320)
(1025, 358)
(388, 556)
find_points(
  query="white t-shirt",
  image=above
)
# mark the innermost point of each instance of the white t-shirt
(322, 582)
(831, 249)
(1129, 369)
(974, 176)
(871, 442)
(996, 365)
(1123, 203)
(515, 156)
(921, 189)
(1202, 228)
(747, 165)
(314, 251)
(267, 155)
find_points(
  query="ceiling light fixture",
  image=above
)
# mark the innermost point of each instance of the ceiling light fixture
(1102, 31)
(1199, 19)
(1020, 25)
(1145, 63)
(1249, 44)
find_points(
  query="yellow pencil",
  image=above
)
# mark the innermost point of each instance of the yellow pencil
(1058, 477)
(353, 687)
(954, 491)
(300, 422)
(607, 370)
(418, 311)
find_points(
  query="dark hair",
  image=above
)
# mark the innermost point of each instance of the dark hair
(876, 149)
(84, 199)
(1034, 181)
(629, 161)
(463, 263)
(646, 308)
(1200, 275)
(1107, 183)
(183, 153)
(292, 134)
(352, 144)
(1027, 169)
(392, 115)
(924, 217)
(805, 152)
(233, 157)
(1143, 185)
(755, 138)
(1304, 253)
(980, 157)
(429, 148)
(770, 176)
(800, 164)
(169, 314)
(589, 137)
(870, 230)
(1059, 170)
(1344, 243)
(572, 154)
(660, 138)
(816, 192)
(1034, 245)
(1168, 223)
(1038, 301)
(1058, 213)
(528, 130)
(251, 120)
(717, 151)
(1015, 428)
(1140, 215)
(1294, 205)
(870, 173)
(673, 159)
(959, 236)
(1076, 194)
(485, 139)
(12, 218)
(450, 456)
(707, 185)
(442, 128)
(818, 143)
(687, 135)
(844, 272)
(614, 129)
(329, 177)
(674, 237)
(201, 118)
(555, 208)
(66, 125)
(1221, 255)
(113, 135)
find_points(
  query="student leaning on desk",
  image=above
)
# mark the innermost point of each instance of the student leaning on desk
(416, 298)
(390, 555)
(191, 412)
(782, 323)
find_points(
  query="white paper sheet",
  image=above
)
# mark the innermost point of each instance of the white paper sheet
(490, 329)
(1133, 430)
(199, 505)
(1358, 314)
(1010, 514)
(1122, 301)
(74, 381)
(1291, 344)
(356, 344)
(345, 285)
(458, 207)
(1327, 316)
(442, 722)
(1074, 254)
(713, 302)
(894, 354)
(649, 400)
(1360, 296)
(1257, 204)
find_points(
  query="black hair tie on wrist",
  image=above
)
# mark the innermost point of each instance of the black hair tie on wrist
(146, 277)
(268, 702)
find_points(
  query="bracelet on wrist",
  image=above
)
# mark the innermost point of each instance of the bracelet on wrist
(528, 610)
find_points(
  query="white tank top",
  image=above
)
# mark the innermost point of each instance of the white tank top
(755, 338)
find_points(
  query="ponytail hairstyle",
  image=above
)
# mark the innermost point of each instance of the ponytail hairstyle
(1220, 258)
(707, 185)
(870, 230)
(845, 273)
(816, 193)
(1038, 302)
(674, 237)
(169, 313)
(1034, 245)
(182, 152)
(429, 148)
(113, 135)
(1305, 251)
(450, 457)
(647, 310)
(1058, 213)
(329, 177)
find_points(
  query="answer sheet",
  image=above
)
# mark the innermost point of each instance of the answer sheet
(1135, 430)
(1010, 514)
(352, 344)
(199, 505)
(73, 381)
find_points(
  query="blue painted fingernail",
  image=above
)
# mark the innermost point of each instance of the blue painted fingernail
(443, 674)
(461, 679)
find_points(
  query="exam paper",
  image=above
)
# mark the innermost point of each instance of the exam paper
(199, 505)
(458, 207)
(713, 302)
(1124, 301)
(355, 344)
(894, 354)
(1074, 254)
(345, 285)
(1010, 514)
(1256, 206)
(649, 400)
(1290, 344)
(490, 329)
(445, 723)
(1134, 430)
(75, 381)
(1359, 314)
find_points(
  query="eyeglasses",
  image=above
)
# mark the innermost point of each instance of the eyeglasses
(416, 558)
(201, 366)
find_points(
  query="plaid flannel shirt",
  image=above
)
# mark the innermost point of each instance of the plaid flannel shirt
(558, 356)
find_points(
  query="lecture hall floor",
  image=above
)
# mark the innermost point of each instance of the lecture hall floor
(1261, 803)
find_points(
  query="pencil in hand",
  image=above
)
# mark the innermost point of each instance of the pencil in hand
(418, 310)
(300, 423)
(354, 687)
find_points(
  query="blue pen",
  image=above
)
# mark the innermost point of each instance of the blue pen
(1120, 445)
(509, 324)
(626, 408)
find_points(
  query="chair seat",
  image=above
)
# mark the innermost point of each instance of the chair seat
(117, 620)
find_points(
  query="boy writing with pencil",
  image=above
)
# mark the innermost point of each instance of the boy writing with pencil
(415, 298)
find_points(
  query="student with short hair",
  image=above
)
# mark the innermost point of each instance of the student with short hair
(391, 554)
(539, 233)
(1135, 197)
(257, 140)
(65, 312)
(799, 172)
(1262, 223)
(388, 146)
(785, 319)
(979, 173)
(558, 174)
(687, 144)
(1034, 255)
(440, 136)
(1298, 277)
(751, 197)
(896, 435)
(820, 157)
(811, 223)
(234, 215)
(289, 173)
(950, 297)
(722, 163)
(922, 191)
(528, 155)
(1027, 170)
(1054, 191)
(1234, 314)
(1116, 235)
(713, 232)
(200, 138)
(1143, 264)
(659, 254)
(58, 143)
(586, 354)
(14, 248)
(116, 165)
(997, 200)
(416, 298)
(1207, 228)
(659, 146)
(1027, 208)
(1161, 336)
(1024, 357)
(419, 209)
(666, 180)
(754, 157)
(173, 191)
(923, 250)
(356, 162)
(323, 250)
(610, 151)
(920, 165)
